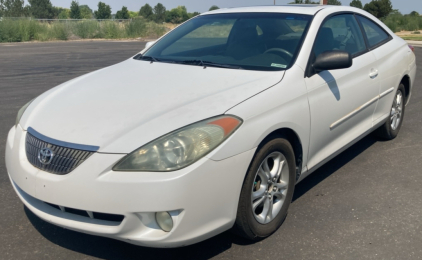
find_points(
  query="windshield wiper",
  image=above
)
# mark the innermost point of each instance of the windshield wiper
(210, 64)
(190, 62)
(148, 58)
(152, 59)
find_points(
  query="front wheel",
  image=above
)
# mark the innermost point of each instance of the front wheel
(390, 129)
(267, 190)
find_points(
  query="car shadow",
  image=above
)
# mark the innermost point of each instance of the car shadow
(111, 249)
(331, 82)
(332, 166)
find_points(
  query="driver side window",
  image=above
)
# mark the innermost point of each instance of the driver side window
(340, 32)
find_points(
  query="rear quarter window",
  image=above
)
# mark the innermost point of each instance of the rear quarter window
(375, 34)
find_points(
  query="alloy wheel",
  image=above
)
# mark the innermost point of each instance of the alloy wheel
(270, 187)
(396, 111)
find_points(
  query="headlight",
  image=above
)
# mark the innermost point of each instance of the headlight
(21, 111)
(180, 148)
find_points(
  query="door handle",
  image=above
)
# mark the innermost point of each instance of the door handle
(373, 74)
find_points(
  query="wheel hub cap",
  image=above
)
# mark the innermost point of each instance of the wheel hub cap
(396, 111)
(268, 197)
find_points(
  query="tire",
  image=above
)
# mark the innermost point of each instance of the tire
(391, 128)
(256, 224)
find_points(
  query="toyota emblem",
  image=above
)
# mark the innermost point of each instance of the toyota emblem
(45, 156)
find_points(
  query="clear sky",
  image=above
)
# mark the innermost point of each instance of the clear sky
(404, 6)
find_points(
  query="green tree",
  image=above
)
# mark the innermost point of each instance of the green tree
(56, 11)
(133, 14)
(13, 8)
(42, 9)
(396, 12)
(75, 11)
(214, 7)
(64, 14)
(379, 8)
(123, 14)
(146, 12)
(103, 12)
(357, 4)
(159, 13)
(333, 2)
(86, 12)
(414, 13)
(177, 15)
(191, 15)
(1, 8)
(27, 11)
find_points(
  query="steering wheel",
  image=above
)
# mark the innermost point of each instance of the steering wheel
(280, 51)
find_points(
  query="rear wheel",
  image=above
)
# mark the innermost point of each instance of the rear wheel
(390, 129)
(267, 190)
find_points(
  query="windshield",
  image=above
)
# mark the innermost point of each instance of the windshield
(254, 41)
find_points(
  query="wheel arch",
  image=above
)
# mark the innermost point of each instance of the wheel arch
(294, 139)
(406, 82)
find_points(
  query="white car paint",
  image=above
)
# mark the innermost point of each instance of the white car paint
(123, 107)
(126, 105)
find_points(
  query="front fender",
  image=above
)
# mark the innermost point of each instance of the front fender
(282, 106)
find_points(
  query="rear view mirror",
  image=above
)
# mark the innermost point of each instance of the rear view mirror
(333, 60)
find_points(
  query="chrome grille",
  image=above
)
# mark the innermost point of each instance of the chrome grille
(64, 161)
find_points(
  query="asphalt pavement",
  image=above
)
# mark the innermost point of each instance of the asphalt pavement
(366, 203)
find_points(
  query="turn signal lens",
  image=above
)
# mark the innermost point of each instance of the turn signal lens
(164, 220)
(180, 148)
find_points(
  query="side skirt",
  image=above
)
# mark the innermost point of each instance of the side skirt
(309, 171)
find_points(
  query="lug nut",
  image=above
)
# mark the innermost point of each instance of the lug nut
(275, 189)
(274, 179)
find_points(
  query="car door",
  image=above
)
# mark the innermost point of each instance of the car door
(392, 60)
(341, 102)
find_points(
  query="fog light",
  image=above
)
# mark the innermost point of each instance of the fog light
(164, 220)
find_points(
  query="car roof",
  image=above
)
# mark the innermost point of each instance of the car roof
(293, 9)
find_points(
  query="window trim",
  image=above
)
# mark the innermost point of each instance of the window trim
(390, 38)
(308, 72)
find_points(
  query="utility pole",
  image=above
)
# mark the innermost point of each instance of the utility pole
(274, 2)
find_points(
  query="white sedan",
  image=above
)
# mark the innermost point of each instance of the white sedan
(210, 127)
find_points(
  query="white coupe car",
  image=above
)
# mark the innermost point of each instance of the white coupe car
(210, 127)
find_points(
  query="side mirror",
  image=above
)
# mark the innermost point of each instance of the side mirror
(333, 60)
(149, 44)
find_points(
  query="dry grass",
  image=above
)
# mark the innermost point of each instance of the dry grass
(31, 30)
(410, 35)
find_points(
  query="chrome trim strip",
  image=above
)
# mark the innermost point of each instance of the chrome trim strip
(357, 110)
(44, 138)
(385, 93)
(354, 112)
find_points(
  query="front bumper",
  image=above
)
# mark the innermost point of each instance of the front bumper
(202, 198)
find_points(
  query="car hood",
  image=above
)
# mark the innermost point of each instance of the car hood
(125, 106)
